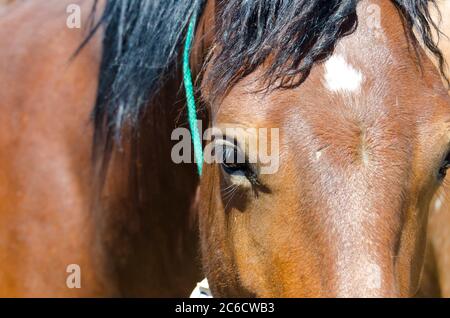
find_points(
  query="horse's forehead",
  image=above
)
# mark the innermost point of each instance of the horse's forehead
(372, 75)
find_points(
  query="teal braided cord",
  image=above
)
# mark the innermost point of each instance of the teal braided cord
(190, 96)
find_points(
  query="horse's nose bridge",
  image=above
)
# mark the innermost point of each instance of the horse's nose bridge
(357, 182)
(359, 276)
(364, 224)
(350, 264)
(362, 258)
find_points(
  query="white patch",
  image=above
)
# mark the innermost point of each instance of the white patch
(318, 155)
(341, 76)
(373, 273)
(438, 203)
(365, 158)
(359, 277)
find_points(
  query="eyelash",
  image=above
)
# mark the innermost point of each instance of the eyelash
(244, 167)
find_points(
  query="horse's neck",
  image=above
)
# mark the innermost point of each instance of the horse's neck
(151, 218)
(153, 203)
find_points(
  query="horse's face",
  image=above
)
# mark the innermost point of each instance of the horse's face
(362, 145)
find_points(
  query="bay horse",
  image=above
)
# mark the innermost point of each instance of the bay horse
(363, 119)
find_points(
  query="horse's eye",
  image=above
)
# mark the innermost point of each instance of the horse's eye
(235, 164)
(235, 168)
(444, 167)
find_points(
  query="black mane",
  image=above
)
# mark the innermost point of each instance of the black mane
(142, 42)
(140, 46)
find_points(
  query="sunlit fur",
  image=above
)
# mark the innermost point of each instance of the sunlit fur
(142, 43)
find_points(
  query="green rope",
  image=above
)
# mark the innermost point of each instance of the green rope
(190, 96)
